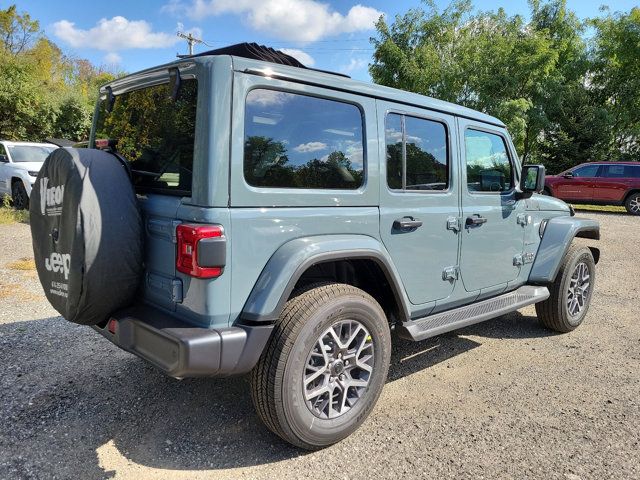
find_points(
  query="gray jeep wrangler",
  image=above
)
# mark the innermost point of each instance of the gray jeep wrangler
(240, 213)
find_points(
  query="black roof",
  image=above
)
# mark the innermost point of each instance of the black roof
(260, 52)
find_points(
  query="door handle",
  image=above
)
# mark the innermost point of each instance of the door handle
(475, 220)
(407, 223)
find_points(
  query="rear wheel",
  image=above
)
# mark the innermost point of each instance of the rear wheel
(324, 366)
(571, 292)
(633, 203)
(19, 196)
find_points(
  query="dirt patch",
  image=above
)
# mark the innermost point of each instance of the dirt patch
(24, 264)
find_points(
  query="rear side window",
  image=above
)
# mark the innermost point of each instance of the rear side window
(621, 171)
(488, 165)
(156, 134)
(300, 141)
(417, 157)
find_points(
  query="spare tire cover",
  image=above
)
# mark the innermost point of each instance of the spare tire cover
(87, 234)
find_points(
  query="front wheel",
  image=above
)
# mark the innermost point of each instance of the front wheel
(19, 196)
(324, 367)
(570, 293)
(632, 204)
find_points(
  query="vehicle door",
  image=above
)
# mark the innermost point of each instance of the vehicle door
(493, 217)
(578, 183)
(5, 175)
(612, 183)
(419, 204)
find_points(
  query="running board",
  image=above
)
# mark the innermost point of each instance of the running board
(474, 313)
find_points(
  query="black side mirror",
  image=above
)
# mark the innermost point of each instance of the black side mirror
(532, 180)
(568, 175)
(4, 159)
(174, 83)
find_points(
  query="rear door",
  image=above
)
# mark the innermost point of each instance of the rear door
(492, 216)
(612, 183)
(419, 204)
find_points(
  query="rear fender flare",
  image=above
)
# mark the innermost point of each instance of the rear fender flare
(286, 266)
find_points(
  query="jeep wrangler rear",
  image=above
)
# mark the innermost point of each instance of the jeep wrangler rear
(291, 219)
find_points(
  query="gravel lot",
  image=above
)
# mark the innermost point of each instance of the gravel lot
(503, 399)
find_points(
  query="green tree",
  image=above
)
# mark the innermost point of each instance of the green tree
(17, 31)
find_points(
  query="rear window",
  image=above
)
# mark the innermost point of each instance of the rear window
(621, 171)
(299, 141)
(156, 134)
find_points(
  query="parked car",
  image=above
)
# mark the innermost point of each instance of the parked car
(20, 163)
(291, 219)
(606, 183)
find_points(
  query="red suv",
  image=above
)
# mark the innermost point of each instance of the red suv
(608, 183)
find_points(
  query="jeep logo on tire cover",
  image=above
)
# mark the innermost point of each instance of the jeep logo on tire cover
(50, 198)
(58, 262)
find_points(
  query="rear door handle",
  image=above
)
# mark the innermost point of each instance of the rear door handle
(407, 223)
(475, 220)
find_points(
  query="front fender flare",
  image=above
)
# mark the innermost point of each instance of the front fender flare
(291, 260)
(558, 235)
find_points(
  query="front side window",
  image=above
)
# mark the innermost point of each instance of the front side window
(586, 171)
(488, 165)
(417, 157)
(155, 133)
(299, 141)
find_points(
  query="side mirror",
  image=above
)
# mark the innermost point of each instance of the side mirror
(532, 180)
(568, 175)
(4, 159)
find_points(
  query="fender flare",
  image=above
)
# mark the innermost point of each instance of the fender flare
(285, 267)
(558, 235)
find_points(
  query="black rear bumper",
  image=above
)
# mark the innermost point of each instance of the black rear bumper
(183, 350)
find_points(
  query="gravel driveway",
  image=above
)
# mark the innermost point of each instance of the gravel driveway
(502, 399)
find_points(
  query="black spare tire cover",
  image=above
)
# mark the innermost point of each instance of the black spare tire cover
(87, 234)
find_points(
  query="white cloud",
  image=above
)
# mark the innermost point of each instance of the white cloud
(354, 64)
(110, 35)
(195, 31)
(310, 147)
(300, 55)
(297, 20)
(112, 59)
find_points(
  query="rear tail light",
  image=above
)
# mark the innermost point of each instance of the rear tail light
(201, 250)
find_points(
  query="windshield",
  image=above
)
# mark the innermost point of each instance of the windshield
(155, 134)
(29, 153)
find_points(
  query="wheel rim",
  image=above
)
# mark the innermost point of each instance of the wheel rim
(634, 205)
(338, 369)
(578, 292)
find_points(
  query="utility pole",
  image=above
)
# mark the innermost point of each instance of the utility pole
(191, 41)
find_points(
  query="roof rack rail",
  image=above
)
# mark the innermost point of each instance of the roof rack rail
(261, 52)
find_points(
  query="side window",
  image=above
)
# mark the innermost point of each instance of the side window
(299, 141)
(488, 165)
(634, 171)
(417, 156)
(615, 171)
(586, 171)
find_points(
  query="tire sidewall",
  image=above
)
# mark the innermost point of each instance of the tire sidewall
(17, 189)
(628, 203)
(583, 257)
(294, 412)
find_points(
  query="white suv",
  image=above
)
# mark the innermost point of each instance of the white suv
(20, 163)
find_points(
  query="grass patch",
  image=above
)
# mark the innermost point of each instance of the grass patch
(601, 208)
(25, 264)
(8, 214)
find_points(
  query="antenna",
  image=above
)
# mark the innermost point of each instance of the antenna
(191, 41)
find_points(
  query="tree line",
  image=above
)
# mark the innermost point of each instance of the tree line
(43, 92)
(568, 89)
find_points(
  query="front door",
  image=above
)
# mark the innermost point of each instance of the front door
(418, 196)
(579, 185)
(492, 217)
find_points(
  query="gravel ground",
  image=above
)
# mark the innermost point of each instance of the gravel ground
(503, 399)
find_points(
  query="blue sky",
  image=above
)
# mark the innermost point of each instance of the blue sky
(333, 35)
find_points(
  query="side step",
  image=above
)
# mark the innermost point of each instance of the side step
(474, 313)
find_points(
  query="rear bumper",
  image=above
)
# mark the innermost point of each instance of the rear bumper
(183, 350)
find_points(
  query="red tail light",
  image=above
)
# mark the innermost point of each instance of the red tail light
(201, 250)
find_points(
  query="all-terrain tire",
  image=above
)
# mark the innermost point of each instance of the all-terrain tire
(632, 203)
(278, 381)
(554, 313)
